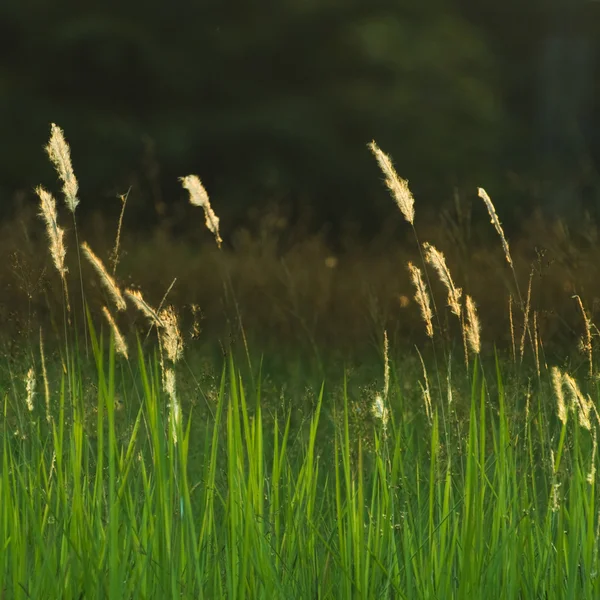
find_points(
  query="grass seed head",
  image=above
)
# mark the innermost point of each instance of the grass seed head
(495, 222)
(199, 197)
(171, 337)
(105, 277)
(473, 327)
(380, 411)
(58, 251)
(437, 260)
(30, 387)
(422, 298)
(136, 297)
(60, 155)
(120, 345)
(557, 385)
(397, 186)
(579, 402)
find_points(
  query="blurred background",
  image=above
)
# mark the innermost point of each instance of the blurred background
(274, 102)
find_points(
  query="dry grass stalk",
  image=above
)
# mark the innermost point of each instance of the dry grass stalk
(30, 388)
(386, 366)
(557, 384)
(115, 252)
(449, 382)
(171, 338)
(199, 197)
(587, 344)
(397, 186)
(105, 278)
(120, 345)
(425, 390)
(526, 318)
(45, 378)
(495, 222)
(536, 342)
(60, 155)
(136, 297)
(437, 260)
(512, 328)
(473, 327)
(579, 402)
(422, 298)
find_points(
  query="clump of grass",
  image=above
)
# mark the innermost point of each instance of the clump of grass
(503, 505)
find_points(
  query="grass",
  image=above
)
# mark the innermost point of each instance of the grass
(466, 477)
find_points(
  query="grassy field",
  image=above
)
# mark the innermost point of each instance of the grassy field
(134, 467)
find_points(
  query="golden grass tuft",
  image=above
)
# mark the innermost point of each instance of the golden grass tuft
(60, 155)
(495, 222)
(199, 197)
(171, 338)
(437, 260)
(30, 388)
(473, 327)
(120, 345)
(557, 385)
(56, 235)
(397, 186)
(422, 298)
(136, 297)
(105, 277)
(579, 402)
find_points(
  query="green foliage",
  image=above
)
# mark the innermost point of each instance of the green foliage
(426, 511)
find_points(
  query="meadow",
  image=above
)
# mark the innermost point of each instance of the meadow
(136, 464)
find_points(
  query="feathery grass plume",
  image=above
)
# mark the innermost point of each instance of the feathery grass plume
(30, 388)
(60, 155)
(422, 298)
(45, 378)
(199, 197)
(557, 384)
(55, 234)
(526, 318)
(120, 345)
(105, 278)
(579, 402)
(169, 384)
(587, 344)
(495, 222)
(437, 260)
(136, 297)
(380, 411)
(397, 186)
(425, 390)
(473, 327)
(171, 338)
(386, 365)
